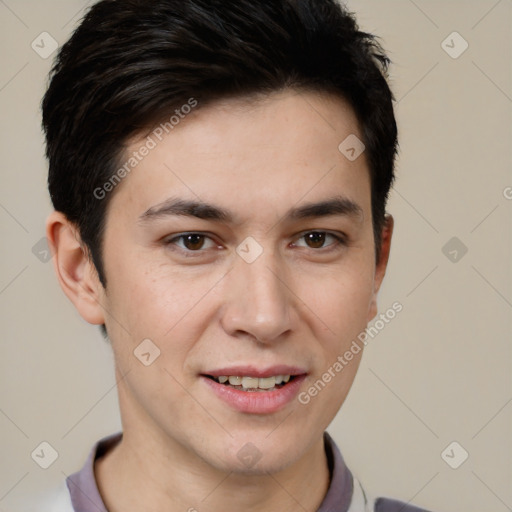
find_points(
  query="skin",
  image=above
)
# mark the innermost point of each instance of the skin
(299, 303)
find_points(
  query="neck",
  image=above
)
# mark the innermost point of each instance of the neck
(144, 473)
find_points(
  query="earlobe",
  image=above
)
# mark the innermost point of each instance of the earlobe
(75, 271)
(380, 269)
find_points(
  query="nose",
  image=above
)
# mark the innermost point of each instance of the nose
(259, 303)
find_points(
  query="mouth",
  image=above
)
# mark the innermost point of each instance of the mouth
(253, 384)
(251, 390)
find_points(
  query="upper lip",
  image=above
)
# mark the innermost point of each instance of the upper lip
(252, 371)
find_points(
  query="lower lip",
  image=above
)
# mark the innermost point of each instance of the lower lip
(256, 402)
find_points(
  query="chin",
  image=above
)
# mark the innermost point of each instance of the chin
(259, 454)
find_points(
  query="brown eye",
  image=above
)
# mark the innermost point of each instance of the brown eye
(320, 240)
(193, 242)
(315, 240)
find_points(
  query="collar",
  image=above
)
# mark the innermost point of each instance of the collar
(344, 493)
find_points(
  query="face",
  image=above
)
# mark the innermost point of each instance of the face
(241, 245)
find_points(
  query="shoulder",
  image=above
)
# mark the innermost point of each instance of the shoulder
(390, 505)
(79, 491)
(362, 501)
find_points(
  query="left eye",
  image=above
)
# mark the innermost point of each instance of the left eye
(317, 240)
(192, 241)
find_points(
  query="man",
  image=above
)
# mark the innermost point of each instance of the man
(219, 172)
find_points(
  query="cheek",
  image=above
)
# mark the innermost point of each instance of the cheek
(340, 299)
(155, 301)
(147, 294)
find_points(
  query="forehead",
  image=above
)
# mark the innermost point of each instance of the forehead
(251, 154)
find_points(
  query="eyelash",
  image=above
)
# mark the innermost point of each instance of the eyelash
(340, 241)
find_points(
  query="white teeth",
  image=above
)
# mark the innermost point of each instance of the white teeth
(249, 382)
(267, 382)
(254, 382)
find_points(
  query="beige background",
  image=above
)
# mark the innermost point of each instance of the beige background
(439, 372)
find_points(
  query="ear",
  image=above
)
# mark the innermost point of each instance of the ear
(75, 271)
(380, 269)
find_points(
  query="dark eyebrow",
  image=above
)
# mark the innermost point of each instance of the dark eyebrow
(334, 206)
(187, 208)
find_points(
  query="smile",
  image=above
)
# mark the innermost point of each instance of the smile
(254, 394)
(254, 383)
